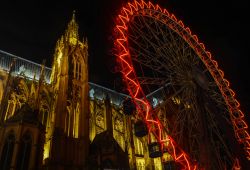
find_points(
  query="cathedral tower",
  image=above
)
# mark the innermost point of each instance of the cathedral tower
(67, 138)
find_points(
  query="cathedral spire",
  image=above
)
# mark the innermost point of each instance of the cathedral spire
(72, 31)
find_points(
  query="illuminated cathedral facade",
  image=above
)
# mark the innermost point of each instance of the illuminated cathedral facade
(55, 119)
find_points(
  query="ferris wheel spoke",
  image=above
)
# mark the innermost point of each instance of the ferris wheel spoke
(216, 96)
(219, 101)
(214, 131)
(147, 59)
(171, 58)
(179, 124)
(184, 54)
(137, 36)
(194, 132)
(179, 130)
(151, 64)
(152, 81)
(156, 49)
(174, 39)
(162, 32)
(149, 41)
(154, 33)
(138, 31)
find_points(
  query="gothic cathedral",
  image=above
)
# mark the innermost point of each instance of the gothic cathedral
(67, 122)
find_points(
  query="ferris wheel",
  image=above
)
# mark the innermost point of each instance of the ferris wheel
(167, 70)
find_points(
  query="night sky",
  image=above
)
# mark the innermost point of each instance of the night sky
(30, 30)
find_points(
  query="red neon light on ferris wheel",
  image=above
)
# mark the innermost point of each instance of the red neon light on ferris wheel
(136, 92)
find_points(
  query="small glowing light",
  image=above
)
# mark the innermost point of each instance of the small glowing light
(22, 70)
(187, 106)
(91, 93)
(176, 100)
(155, 102)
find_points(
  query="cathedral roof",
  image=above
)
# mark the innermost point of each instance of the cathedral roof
(112, 156)
(25, 115)
(106, 141)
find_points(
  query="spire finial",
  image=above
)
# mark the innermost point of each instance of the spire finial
(72, 31)
(74, 14)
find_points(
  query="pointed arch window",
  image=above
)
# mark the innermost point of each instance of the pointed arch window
(78, 70)
(23, 158)
(43, 114)
(72, 67)
(76, 120)
(77, 67)
(67, 117)
(45, 117)
(138, 146)
(10, 109)
(7, 152)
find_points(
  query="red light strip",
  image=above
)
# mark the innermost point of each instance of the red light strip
(143, 106)
(236, 165)
(134, 86)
